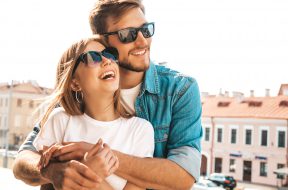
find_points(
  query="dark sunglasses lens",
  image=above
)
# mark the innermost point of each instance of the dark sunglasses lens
(148, 30)
(110, 53)
(92, 58)
(127, 35)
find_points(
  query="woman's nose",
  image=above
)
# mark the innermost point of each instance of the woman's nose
(105, 61)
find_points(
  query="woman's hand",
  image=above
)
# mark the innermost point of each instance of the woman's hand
(46, 155)
(72, 151)
(101, 160)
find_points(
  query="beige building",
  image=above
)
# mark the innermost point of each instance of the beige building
(246, 137)
(18, 110)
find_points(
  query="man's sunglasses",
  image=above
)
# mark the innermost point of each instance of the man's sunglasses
(93, 58)
(128, 35)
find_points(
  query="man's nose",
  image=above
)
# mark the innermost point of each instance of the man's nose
(140, 39)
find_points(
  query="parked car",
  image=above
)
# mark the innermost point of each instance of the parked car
(228, 182)
(205, 184)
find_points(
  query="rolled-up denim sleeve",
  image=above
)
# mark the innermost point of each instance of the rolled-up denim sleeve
(28, 143)
(184, 142)
(188, 158)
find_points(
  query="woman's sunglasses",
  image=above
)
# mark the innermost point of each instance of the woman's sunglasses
(128, 35)
(93, 58)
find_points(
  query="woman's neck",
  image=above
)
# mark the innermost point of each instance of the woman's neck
(101, 109)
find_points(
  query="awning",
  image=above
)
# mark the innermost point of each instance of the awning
(235, 154)
(260, 157)
(281, 171)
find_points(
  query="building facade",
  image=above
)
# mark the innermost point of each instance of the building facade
(245, 137)
(19, 105)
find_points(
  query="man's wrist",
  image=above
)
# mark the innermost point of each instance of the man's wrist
(50, 172)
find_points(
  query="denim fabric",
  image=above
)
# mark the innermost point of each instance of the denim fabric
(171, 102)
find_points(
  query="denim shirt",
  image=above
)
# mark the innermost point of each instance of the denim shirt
(171, 102)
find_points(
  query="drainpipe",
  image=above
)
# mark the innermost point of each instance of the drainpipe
(287, 151)
(212, 144)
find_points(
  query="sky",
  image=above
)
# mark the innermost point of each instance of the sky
(224, 44)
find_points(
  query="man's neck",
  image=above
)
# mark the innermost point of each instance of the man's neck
(130, 79)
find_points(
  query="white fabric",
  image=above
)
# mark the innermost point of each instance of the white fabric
(134, 136)
(128, 98)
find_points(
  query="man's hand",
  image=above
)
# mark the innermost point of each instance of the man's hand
(72, 175)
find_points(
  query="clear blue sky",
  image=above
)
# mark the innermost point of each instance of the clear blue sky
(233, 45)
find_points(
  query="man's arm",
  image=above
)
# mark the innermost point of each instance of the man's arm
(154, 173)
(68, 175)
(183, 145)
(25, 168)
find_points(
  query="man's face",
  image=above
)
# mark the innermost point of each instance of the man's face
(133, 56)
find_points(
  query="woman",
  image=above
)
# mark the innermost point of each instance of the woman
(88, 92)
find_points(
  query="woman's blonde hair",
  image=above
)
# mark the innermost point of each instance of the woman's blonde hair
(63, 95)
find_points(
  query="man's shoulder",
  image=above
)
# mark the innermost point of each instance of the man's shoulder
(173, 78)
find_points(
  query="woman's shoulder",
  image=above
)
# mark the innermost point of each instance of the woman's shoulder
(138, 122)
(59, 113)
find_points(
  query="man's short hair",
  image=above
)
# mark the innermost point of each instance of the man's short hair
(105, 9)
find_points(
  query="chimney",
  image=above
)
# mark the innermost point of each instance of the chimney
(164, 63)
(226, 94)
(204, 94)
(267, 92)
(251, 93)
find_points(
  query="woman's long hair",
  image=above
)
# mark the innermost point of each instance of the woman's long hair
(63, 95)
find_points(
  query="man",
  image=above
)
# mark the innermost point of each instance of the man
(169, 100)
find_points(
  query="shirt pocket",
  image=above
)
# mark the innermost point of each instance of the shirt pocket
(161, 134)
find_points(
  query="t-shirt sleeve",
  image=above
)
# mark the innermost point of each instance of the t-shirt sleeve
(53, 130)
(144, 139)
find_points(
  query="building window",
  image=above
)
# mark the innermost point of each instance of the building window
(233, 136)
(248, 136)
(207, 134)
(219, 135)
(278, 167)
(281, 139)
(263, 169)
(264, 137)
(19, 102)
(218, 165)
(232, 165)
(31, 104)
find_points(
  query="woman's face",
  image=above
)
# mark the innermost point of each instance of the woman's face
(97, 79)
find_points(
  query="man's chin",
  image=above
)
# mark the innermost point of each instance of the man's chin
(129, 67)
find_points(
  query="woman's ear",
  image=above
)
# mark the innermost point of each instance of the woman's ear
(75, 86)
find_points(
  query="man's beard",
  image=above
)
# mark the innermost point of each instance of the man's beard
(128, 66)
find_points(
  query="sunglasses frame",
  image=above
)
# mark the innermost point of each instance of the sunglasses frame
(111, 50)
(131, 28)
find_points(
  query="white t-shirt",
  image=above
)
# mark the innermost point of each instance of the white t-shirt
(134, 136)
(128, 98)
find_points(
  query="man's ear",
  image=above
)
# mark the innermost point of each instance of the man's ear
(75, 86)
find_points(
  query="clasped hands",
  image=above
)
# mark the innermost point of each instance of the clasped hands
(78, 164)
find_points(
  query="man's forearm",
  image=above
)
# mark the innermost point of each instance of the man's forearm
(25, 168)
(154, 173)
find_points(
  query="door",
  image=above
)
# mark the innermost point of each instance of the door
(247, 168)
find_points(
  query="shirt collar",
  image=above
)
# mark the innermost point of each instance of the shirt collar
(151, 82)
